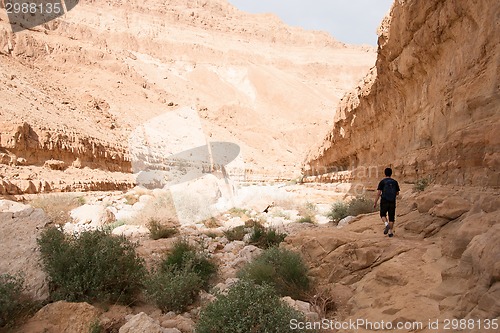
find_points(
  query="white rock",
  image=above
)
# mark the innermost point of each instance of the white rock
(233, 222)
(88, 214)
(250, 252)
(130, 230)
(12, 206)
(20, 226)
(234, 247)
(303, 307)
(142, 323)
(345, 221)
(321, 219)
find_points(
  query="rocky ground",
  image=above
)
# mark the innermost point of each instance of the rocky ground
(441, 264)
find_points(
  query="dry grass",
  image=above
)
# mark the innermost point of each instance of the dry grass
(307, 211)
(321, 300)
(158, 230)
(211, 223)
(58, 206)
(160, 209)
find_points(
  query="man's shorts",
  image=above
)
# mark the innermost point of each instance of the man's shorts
(388, 207)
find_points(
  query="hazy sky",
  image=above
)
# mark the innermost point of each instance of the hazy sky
(350, 21)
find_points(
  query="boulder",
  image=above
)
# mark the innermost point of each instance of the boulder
(62, 317)
(20, 226)
(141, 323)
(428, 200)
(451, 208)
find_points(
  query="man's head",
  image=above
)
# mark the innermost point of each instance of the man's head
(388, 172)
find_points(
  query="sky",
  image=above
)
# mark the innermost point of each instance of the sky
(349, 21)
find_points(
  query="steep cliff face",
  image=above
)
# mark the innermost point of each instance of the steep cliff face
(430, 108)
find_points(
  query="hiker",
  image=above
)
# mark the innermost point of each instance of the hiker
(388, 189)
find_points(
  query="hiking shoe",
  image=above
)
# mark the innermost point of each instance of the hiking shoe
(391, 235)
(386, 229)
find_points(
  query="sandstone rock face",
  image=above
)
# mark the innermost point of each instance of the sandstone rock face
(430, 107)
(74, 90)
(20, 226)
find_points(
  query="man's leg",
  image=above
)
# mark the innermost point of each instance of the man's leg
(392, 217)
(383, 216)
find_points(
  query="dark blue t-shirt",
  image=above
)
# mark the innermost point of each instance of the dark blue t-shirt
(389, 188)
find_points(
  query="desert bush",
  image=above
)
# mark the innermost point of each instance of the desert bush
(338, 211)
(248, 308)
(58, 206)
(266, 237)
(250, 223)
(95, 266)
(305, 219)
(235, 234)
(280, 268)
(211, 234)
(96, 327)
(11, 288)
(237, 211)
(174, 289)
(421, 184)
(158, 230)
(360, 205)
(111, 226)
(185, 256)
(307, 209)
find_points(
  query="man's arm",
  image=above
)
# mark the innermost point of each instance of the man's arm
(379, 193)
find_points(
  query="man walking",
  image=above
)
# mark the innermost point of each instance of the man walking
(388, 189)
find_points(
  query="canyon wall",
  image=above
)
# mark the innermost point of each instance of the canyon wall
(430, 107)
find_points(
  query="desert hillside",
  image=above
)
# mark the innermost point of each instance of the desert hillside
(430, 106)
(73, 90)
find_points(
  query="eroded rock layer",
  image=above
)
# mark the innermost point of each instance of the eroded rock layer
(430, 107)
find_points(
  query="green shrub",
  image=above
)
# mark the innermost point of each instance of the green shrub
(174, 289)
(421, 184)
(158, 230)
(96, 327)
(280, 268)
(95, 266)
(185, 256)
(305, 219)
(237, 211)
(11, 288)
(211, 234)
(248, 308)
(266, 237)
(360, 205)
(236, 233)
(338, 211)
